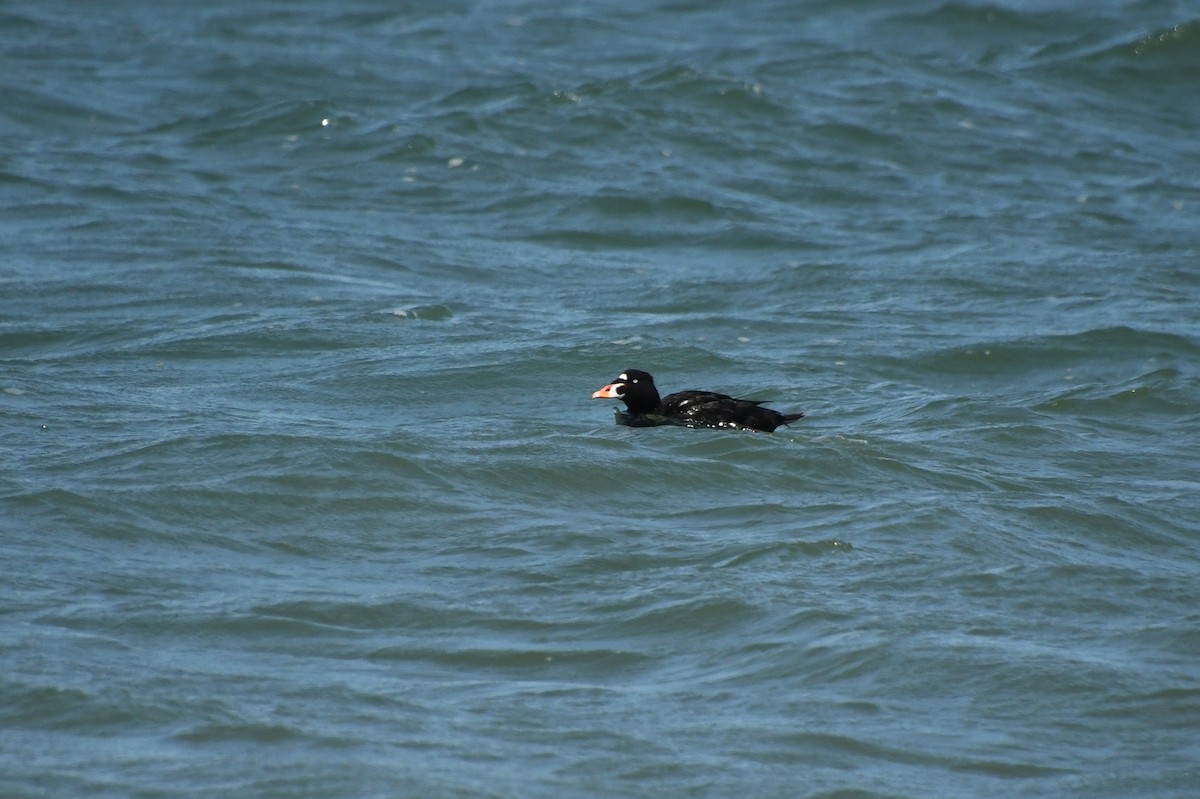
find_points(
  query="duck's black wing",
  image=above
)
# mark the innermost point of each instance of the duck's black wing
(710, 409)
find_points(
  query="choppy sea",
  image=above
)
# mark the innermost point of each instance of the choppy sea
(303, 493)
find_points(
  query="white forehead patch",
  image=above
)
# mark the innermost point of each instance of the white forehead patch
(622, 377)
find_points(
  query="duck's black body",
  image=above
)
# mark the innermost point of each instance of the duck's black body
(692, 408)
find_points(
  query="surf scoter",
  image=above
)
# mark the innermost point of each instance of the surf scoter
(692, 408)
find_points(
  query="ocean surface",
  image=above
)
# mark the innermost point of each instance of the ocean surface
(303, 493)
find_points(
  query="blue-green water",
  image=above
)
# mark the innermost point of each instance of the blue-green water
(303, 494)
